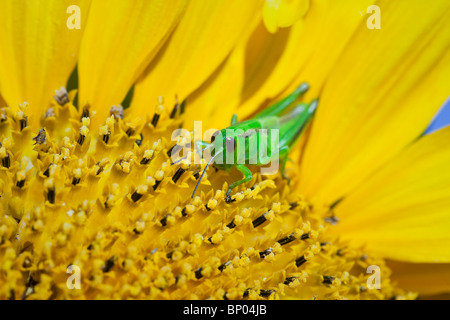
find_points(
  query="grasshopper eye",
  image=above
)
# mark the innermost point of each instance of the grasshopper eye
(215, 134)
(231, 144)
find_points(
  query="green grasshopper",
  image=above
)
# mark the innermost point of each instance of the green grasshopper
(253, 132)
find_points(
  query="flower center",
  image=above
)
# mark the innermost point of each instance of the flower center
(109, 201)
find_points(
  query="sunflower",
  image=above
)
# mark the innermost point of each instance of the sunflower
(92, 206)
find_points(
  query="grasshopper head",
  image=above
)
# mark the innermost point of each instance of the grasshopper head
(224, 142)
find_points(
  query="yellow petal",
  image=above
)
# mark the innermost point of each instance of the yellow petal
(2, 102)
(244, 75)
(330, 31)
(425, 278)
(38, 50)
(271, 62)
(402, 212)
(283, 13)
(120, 40)
(211, 103)
(201, 42)
(381, 95)
(310, 50)
(265, 64)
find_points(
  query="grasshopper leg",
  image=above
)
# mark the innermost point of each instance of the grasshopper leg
(284, 155)
(234, 119)
(247, 177)
(279, 107)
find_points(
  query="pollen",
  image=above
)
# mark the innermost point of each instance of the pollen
(109, 199)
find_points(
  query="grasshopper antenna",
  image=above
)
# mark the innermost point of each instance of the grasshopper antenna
(206, 168)
(177, 161)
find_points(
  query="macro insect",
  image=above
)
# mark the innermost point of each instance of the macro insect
(267, 137)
